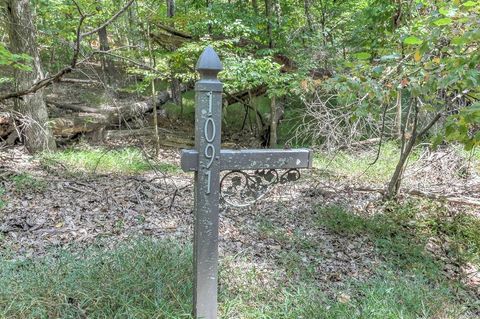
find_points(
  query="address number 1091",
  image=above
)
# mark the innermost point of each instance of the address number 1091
(209, 131)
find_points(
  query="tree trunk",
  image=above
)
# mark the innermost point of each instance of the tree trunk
(36, 134)
(398, 118)
(170, 8)
(273, 123)
(255, 6)
(107, 65)
(176, 91)
(258, 119)
(209, 8)
(175, 84)
(132, 36)
(308, 15)
(395, 181)
(268, 9)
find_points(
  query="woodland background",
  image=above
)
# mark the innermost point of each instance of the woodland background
(96, 98)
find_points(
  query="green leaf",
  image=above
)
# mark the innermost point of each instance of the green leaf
(469, 4)
(442, 22)
(411, 40)
(459, 40)
(444, 11)
(362, 55)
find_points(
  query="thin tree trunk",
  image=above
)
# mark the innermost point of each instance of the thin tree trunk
(132, 26)
(209, 8)
(36, 133)
(176, 91)
(395, 182)
(175, 84)
(107, 65)
(273, 123)
(255, 6)
(258, 120)
(170, 8)
(153, 63)
(268, 9)
(398, 118)
(308, 15)
(407, 147)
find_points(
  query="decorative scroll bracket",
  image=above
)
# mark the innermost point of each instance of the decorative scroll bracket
(242, 189)
(239, 188)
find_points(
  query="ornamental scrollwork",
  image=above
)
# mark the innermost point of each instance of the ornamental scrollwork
(241, 189)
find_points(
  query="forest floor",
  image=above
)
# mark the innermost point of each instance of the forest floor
(326, 246)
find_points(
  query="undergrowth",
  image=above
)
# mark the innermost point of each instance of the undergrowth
(403, 230)
(402, 233)
(152, 279)
(359, 165)
(27, 182)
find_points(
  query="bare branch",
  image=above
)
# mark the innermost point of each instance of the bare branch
(109, 21)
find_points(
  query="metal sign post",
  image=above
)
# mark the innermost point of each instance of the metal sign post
(207, 160)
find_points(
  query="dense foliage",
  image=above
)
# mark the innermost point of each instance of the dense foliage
(381, 59)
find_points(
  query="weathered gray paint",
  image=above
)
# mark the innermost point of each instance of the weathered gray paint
(207, 160)
(252, 159)
(208, 101)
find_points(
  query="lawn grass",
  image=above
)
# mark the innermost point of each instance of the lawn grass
(99, 160)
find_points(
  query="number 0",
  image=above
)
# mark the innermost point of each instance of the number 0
(210, 126)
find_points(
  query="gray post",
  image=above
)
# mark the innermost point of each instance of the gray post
(207, 160)
(208, 103)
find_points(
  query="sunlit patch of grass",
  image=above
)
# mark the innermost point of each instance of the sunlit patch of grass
(389, 293)
(359, 165)
(126, 160)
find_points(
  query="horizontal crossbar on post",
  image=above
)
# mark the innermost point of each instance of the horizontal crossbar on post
(253, 159)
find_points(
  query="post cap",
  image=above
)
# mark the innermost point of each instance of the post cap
(209, 62)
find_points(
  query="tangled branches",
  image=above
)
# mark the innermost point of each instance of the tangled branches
(330, 125)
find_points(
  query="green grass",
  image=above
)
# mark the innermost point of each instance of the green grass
(348, 164)
(26, 182)
(403, 230)
(472, 156)
(126, 160)
(2, 200)
(152, 279)
(174, 111)
(139, 280)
